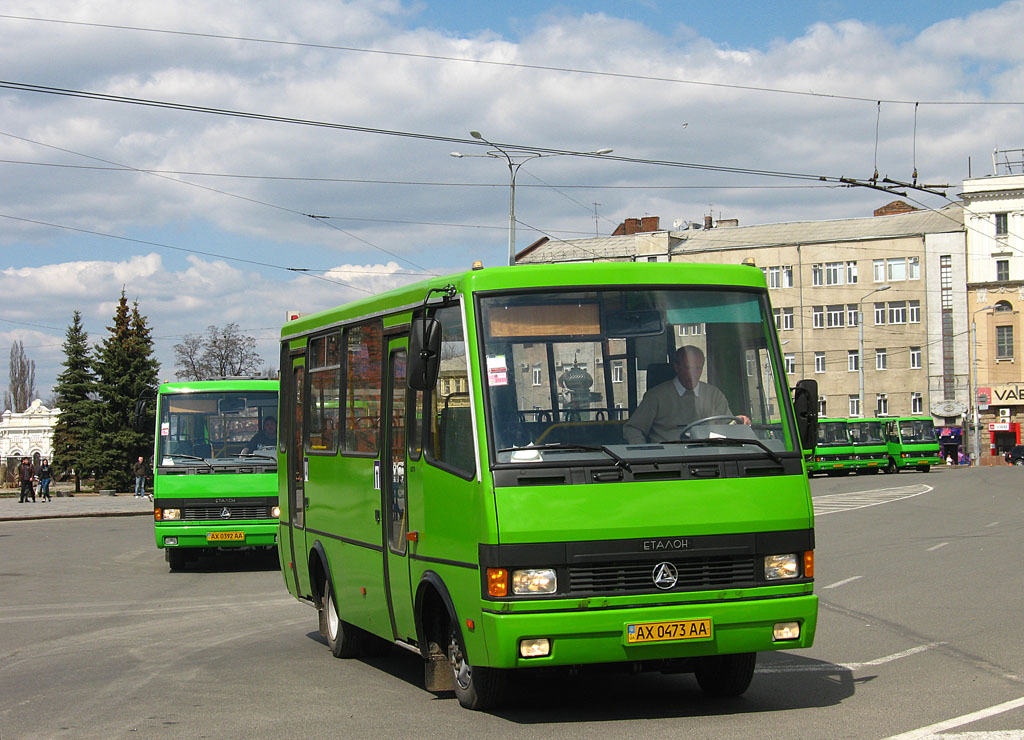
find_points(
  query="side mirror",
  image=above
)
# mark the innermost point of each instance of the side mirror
(139, 414)
(424, 353)
(805, 404)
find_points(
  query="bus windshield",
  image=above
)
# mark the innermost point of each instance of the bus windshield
(568, 375)
(217, 428)
(832, 433)
(917, 430)
(866, 432)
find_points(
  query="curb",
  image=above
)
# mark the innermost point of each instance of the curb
(36, 517)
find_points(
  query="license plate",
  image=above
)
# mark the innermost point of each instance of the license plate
(225, 536)
(684, 629)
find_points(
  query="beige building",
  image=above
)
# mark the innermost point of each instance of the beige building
(994, 217)
(904, 273)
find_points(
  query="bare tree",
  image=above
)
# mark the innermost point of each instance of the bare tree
(22, 380)
(221, 352)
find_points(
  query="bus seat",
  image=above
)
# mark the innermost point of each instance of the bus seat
(659, 372)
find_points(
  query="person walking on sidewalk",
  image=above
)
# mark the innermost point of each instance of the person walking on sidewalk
(45, 478)
(140, 478)
(25, 474)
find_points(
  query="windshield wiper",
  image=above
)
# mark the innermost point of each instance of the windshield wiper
(731, 442)
(256, 454)
(189, 457)
(619, 461)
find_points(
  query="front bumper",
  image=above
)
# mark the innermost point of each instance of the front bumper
(194, 534)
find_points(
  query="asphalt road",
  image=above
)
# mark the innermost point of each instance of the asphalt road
(920, 632)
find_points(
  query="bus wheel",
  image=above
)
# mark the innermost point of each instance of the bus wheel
(343, 638)
(725, 675)
(891, 467)
(476, 687)
(924, 468)
(175, 559)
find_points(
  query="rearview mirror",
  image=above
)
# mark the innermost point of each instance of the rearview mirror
(805, 404)
(424, 353)
(230, 405)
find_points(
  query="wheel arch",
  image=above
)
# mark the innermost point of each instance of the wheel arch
(319, 570)
(432, 598)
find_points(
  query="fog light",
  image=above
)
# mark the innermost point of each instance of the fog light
(536, 648)
(275, 512)
(170, 540)
(786, 631)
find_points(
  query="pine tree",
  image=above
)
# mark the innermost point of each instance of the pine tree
(125, 371)
(72, 391)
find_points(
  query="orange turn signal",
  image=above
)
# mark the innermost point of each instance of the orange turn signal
(157, 513)
(808, 563)
(497, 582)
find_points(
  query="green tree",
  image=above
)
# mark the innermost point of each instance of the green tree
(73, 391)
(125, 371)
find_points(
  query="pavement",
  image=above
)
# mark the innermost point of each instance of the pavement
(78, 505)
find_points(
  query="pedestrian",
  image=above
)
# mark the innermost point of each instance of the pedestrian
(45, 478)
(26, 473)
(140, 478)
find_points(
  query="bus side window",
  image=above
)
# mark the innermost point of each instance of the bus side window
(451, 425)
(362, 389)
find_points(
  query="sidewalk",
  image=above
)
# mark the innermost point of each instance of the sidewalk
(82, 504)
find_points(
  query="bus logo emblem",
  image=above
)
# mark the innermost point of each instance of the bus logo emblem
(225, 513)
(664, 575)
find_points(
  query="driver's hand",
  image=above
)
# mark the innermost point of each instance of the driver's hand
(745, 419)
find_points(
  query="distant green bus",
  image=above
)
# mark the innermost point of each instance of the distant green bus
(215, 467)
(456, 476)
(834, 452)
(870, 450)
(912, 443)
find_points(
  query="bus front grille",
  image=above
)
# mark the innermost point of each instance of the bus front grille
(636, 577)
(206, 513)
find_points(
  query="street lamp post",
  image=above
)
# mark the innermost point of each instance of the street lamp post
(975, 411)
(860, 342)
(515, 158)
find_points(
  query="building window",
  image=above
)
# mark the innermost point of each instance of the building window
(878, 267)
(898, 312)
(774, 277)
(617, 373)
(854, 405)
(914, 312)
(915, 358)
(777, 315)
(879, 314)
(851, 273)
(913, 268)
(946, 281)
(817, 275)
(834, 317)
(818, 317)
(852, 360)
(882, 404)
(822, 406)
(833, 273)
(1004, 342)
(537, 377)
(1002, 270)
(881, 361)
(787, 276)
(790, 362)
(685, 330)
(787, 319)
(819, 362)
(1002, 224)
(916, 403)
(851, 314)
(896, 268)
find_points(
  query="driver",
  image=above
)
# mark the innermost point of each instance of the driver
(265, 437)
(668, 407)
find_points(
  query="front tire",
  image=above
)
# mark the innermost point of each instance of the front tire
(726, 675)
(175, 559)
(891, 468)
(476, 687)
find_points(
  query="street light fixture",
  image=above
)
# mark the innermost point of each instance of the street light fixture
(860, 343)
(516, 158)
(976, 457)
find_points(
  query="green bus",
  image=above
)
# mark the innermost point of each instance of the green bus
(833, 453)
(869, 445)
(912, 443)
(215, 467)
(456, 477)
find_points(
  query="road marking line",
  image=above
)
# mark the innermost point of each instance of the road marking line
(833, 667)
(836, 502)
(963, 719)
(843, 582)
(936, 547)
(991, 525)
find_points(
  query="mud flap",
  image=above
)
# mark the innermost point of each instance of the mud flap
(437, 671)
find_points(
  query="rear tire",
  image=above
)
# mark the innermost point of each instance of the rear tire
(344, 640)
(1019, 461)
(726, 675)
(476, 687)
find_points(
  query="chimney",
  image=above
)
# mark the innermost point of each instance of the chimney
(726, 222)
(637, 226)
(708, 222)
(649, 223)
(896, 206)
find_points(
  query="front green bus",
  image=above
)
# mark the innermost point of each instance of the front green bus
(912, 444)
(869, 446)
(215, 467)
(834, 453)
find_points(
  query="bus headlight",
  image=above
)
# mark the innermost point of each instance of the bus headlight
(534, 581)
(778, 567)
(168, 515)
(275, 512)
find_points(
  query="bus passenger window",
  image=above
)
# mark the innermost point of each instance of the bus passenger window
(364, 353)
(324, 393)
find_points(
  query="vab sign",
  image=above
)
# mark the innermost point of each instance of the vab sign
(1006, 395)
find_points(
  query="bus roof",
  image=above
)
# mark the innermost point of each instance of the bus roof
(197, 386)
(584, 274)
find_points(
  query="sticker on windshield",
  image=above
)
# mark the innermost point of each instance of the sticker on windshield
(497, 370)
(165, 429)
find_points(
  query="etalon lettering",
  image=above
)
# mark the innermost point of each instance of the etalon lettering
(666, 544)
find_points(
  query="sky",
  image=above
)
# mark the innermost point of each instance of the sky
(338, 180)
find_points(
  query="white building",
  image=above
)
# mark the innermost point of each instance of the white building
(28, 434)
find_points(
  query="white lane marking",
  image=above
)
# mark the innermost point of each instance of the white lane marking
(991, 525)
(997, 735)
(835, 502)
(936, 547)
(843, 582)
(833, 667)
(932, 730)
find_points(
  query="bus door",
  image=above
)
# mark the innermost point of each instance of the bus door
(294, 388)
(394, 466)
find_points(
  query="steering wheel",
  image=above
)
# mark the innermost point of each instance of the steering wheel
(683, 433)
